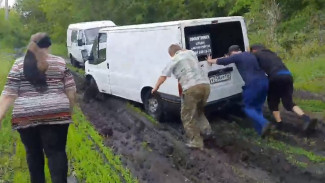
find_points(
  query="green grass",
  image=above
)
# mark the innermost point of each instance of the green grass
(89, 159)
(59, 49)
(311, 105)
(309, 75)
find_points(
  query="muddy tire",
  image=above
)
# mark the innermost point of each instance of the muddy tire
(153, 106)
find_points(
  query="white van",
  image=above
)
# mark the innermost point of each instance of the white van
(80, 38)
(127, 60)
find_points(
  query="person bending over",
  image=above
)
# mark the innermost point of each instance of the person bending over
(280, 85)
(256, 85)
(196, 90)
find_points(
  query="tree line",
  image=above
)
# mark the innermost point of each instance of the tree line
(282, 23)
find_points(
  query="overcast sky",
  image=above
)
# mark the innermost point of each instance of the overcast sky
(10, 2)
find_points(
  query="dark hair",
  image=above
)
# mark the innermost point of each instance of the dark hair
(233, 48)
(35, 64)
(45, 42)
(257, 47)
(33, 74)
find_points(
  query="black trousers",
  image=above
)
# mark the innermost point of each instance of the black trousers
(280, 89)
(50, 139)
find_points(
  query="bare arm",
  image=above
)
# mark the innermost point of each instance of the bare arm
(6, 102)
(160, 81)
(71, 94)
(212, 61)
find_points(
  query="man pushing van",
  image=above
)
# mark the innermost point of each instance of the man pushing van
(256, 85)
(196, 90)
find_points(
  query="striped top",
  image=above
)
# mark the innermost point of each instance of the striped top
(33, 108)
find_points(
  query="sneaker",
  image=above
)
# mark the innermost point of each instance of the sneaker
(194, 145)
(308, 123)
(266, 129)
(278, 125)
(208, 135)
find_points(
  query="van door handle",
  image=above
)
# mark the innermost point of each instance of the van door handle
(107, 65)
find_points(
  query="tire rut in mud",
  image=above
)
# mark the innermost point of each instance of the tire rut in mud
(156, 153)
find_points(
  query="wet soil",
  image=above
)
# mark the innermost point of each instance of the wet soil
(155, 153)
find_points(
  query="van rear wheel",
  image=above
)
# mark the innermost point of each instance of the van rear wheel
(154, 106)
(73, 61)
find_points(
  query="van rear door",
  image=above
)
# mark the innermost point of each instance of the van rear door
(213, 38)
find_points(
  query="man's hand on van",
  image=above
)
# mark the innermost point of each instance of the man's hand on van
(154, 90)
(160, 81)
(210, 60)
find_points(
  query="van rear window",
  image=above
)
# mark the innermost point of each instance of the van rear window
(214, 39)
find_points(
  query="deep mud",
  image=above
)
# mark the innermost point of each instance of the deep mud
(155, 153)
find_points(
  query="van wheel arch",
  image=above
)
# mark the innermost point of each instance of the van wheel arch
(144, 92)
(91, 89)
(153, 104)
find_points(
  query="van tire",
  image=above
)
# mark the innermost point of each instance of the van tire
(91, 91)
(153, 106)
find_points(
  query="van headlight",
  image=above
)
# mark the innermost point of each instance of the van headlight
(84, 54)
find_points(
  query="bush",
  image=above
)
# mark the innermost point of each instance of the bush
(12, 32)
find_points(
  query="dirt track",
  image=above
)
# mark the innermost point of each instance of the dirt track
(156, 153)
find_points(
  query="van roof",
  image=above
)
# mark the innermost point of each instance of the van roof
(171, 23)
(90, 25)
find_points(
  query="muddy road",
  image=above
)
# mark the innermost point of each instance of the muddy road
(155, 153)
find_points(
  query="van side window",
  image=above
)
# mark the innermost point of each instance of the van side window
(99, 49)
(102, 46)
(81, 35)
(74, 36)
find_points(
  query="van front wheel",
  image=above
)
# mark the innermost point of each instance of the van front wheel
(154, 106)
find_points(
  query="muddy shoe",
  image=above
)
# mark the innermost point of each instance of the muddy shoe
(208, 135)
(194, 145)
(308, 123)
(266, 129)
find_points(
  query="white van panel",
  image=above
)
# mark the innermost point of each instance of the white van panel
(130, 69)
(137, 54)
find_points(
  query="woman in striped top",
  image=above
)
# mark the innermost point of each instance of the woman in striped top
(42, 91)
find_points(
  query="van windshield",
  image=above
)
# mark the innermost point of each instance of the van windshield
(91, 35)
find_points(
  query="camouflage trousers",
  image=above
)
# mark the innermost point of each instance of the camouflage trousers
(192, 113)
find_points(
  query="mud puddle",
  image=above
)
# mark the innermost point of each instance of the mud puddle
(155, 153)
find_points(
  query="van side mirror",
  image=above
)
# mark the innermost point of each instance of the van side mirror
(91, 58)
(80, 42)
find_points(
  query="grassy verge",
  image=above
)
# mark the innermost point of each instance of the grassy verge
(89, 159)
(309, 75)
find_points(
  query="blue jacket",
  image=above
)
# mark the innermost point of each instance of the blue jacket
(247, 65)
